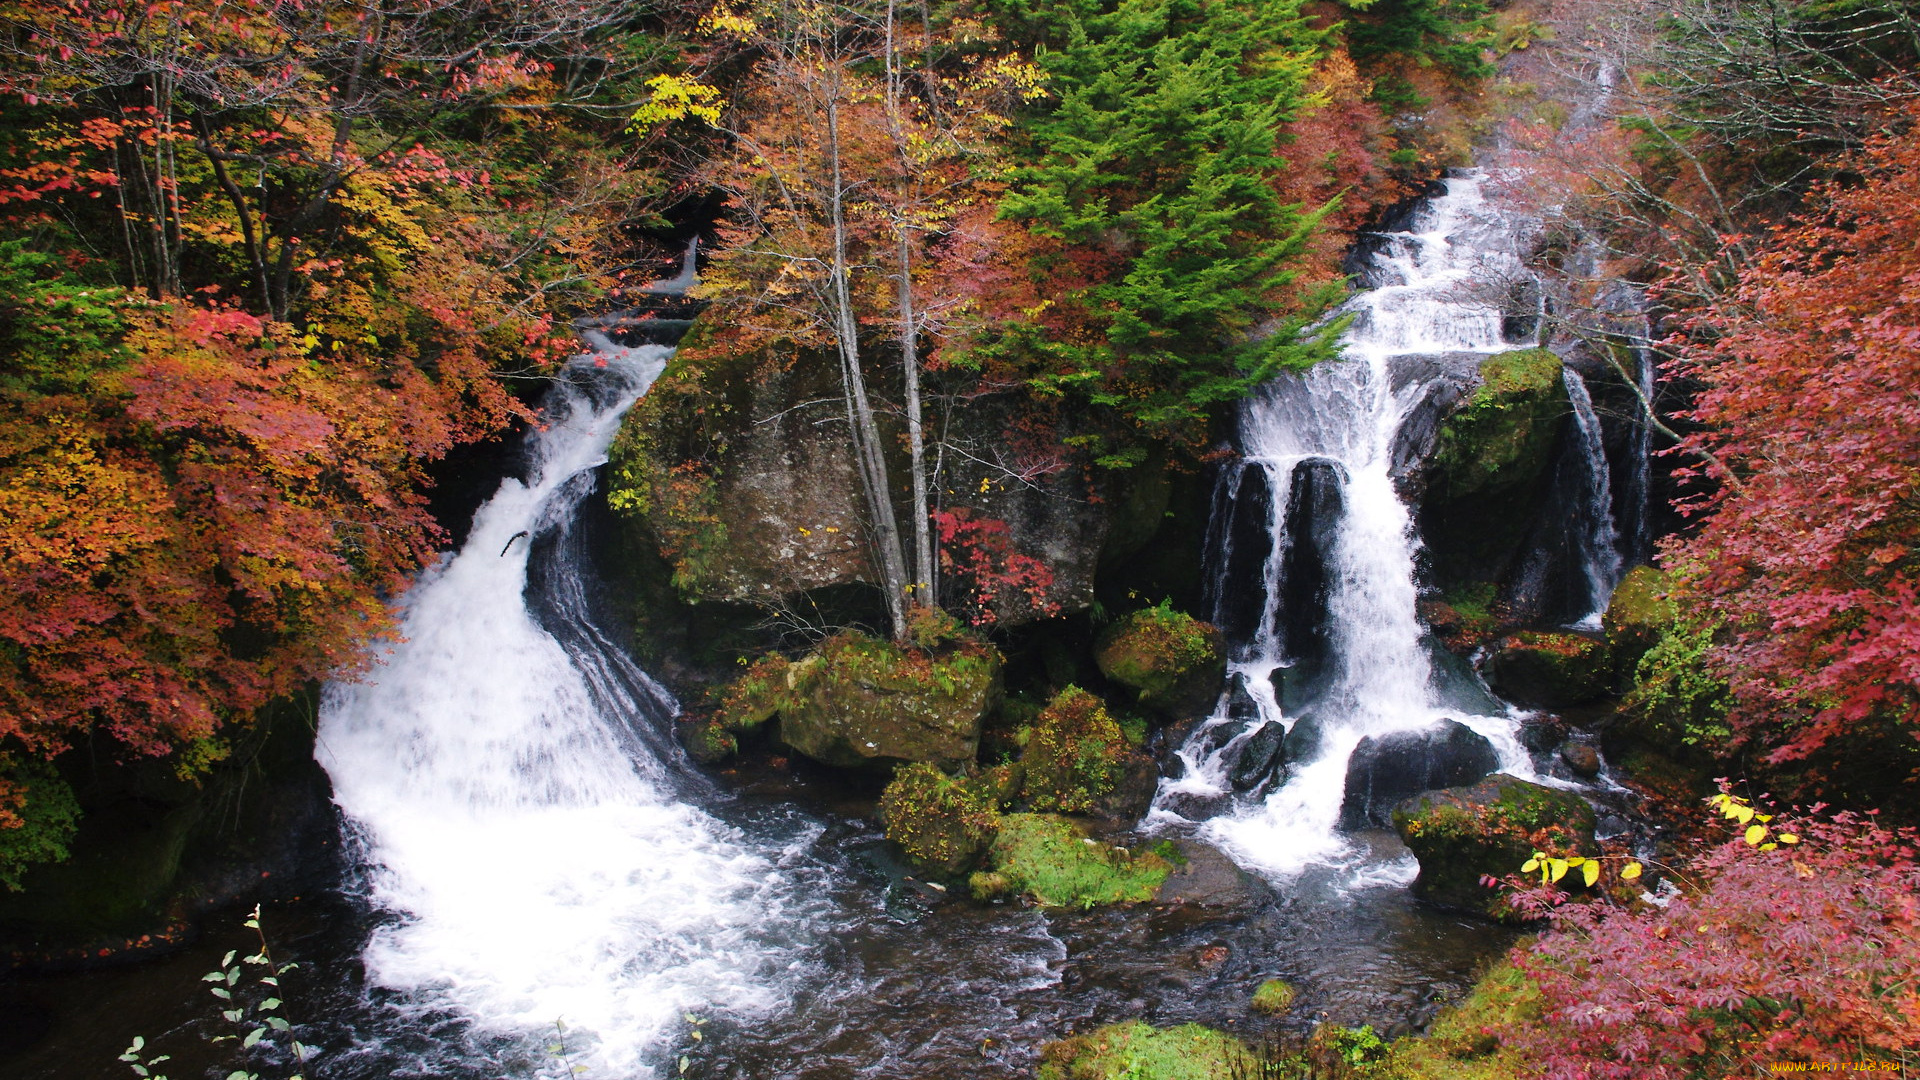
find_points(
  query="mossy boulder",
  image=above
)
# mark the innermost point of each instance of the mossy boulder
(1274, 997)
(943, 823)
(1491, 828)
(1638, 613)
(1138, 1051)
(1073, 754)
(1054, 861)
(858, 701)
(1550, 669)
(1502, 437)
(1175, 661)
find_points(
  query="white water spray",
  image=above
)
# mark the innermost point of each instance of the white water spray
(1598, 538)
(1431, 295)
(518, 816)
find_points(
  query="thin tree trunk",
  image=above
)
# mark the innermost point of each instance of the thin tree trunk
(921, 590)
(868, 450)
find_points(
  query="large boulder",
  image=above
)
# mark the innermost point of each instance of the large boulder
(1385, 769)
(1639, 610)
(1487, 829)
(1550, 669)
(1175, 661)
(1259, 756)
(943, 823)
(858, 701)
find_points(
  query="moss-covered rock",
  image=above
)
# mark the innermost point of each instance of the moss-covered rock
(1490, 828)
(1053, 861)
(706, 740)
(1274, 997)
(858, 700)
(1502, 436)
(1637, 615)
(1550, 669)
(1174, 660)
(943, 823)
(1137, 1051)
(1073, 754)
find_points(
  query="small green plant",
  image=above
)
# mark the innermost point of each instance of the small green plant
(1274, 997)
(564, 1068)
(255, 1007)
(1356, 1046)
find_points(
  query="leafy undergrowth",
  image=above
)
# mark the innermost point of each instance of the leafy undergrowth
(1050, 860)
(1464, 1041)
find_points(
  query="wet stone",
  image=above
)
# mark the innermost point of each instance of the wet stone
(1259, 755)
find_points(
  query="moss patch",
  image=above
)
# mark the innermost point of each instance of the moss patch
(1637, 614)
(1274, 997)
(1138, 1051)
(1053, 861)
(1174, 660)
(1463, 1042)
(1502, 437)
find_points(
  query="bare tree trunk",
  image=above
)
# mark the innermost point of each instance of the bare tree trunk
(868, 450)
(921, 589)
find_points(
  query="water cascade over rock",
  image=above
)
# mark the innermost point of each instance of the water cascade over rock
(516, 800)
(1315, 557)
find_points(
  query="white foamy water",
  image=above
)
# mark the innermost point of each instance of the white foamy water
(1436, 289)
(516, 804)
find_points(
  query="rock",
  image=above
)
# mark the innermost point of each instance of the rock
(1582, 758)
(1053, 861)
(943, 824)
(1274, 998)
(1303, 740)
(1259, 755)
(1203, 877)
(1550, 669)
(1639, 610)
(707, 741)
(858, 701)
(1073, 754)
(1133, 791)
(1491, 828)
(1542, 732)
(1175, 661)
(1386, 769)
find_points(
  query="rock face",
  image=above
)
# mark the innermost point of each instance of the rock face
(736, 471)
(1387, 769)
(1635, 616)
(857, 701)
(1489, 828)
(1175, 661)
(1550, 670)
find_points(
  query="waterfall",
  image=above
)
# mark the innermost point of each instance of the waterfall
(514, 796)
(1315, 498)
(1596, 540)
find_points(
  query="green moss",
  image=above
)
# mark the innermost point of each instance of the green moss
(1074, 753)
(858, 700)
(1165, 654)
(1463, 834)
(1137, 1051)
(1274, 997)
(1463, 1043)
(1503, 436)
(48, 817)
(1054, 862)
(757, 695)
(942, 823)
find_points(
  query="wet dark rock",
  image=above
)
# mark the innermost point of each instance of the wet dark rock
(1550, 670)
(1582, 758)
(1386, 769)
(1461, 834)
(1240, 703)
(1303, 740)
(1132, 792)
(1203, 877)
(1542, 732)
(1259, 755)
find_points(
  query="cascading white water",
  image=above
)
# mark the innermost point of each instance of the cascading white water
(1430, 295)
(1597, 539)
(531, 846)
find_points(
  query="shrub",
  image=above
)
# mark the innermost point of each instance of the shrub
(940, 822)
(1787, 946)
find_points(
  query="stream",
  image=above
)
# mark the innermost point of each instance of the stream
(534, 863)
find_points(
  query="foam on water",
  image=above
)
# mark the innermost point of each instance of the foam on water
(519, 818)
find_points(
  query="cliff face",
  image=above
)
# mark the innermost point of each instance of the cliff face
(738, 473)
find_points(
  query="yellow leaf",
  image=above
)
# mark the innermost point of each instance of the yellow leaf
(1630, 871)
(1789, 838)
(1755, 833)
(1741, 814)
(1530, 866)
(1557, 869)
(1591, 872)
